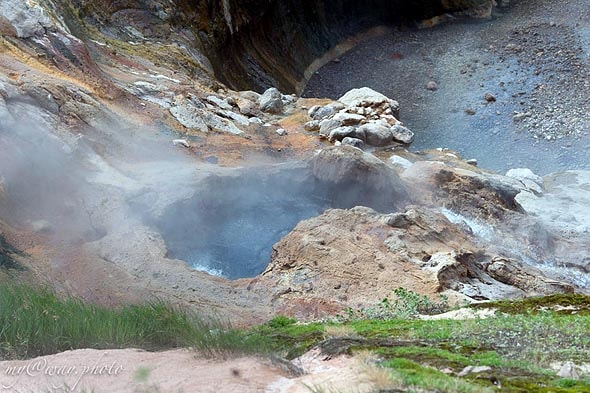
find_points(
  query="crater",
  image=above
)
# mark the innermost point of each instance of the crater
(230, 224)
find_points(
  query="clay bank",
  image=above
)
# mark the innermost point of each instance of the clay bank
(154, 149)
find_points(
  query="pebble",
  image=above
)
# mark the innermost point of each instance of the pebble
(489, 97)
(432, 86)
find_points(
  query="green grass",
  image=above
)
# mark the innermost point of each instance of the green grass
(414, 374)
(517, 346)
(36, 322)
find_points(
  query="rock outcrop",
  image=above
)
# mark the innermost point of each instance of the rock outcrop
(352, 257)
(362, 114)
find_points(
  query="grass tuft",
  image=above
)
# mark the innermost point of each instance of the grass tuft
(36, 322)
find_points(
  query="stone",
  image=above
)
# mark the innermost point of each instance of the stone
(281, 132)
(402, 134)
(520, 116)
(188, 114)
(239, 118)
(311, 126)
(249, 95)
(400, 162)
(181, 142)
(530, 180)
(338, 106)
(489, 97)
(349, 119)
(157, 94)
(527, 278)
(356, 142)
(376, 134)
(473, 370)
(432, 86)
(219, 123)
(247, 108)
(338, 134)
(223, 104)
(568, 370)
(23, 19)
(470, 111)
(288, 99)
(271, 101)
(327, 125)
(363, 97)
(312, 111)
(255, 120)
(396, 220)
(323, 112)
(345, 165)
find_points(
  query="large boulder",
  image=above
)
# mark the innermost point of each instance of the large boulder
(23, 19)
(353, 171)
(271, 101)
(402, 134)
(354, 257)
(376, 134)
(369, 98)
(363, 96)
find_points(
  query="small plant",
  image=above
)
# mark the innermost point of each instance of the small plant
(407, 305)
(281, 321)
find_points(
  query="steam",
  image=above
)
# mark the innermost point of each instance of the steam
(73, 187)
(113, 178)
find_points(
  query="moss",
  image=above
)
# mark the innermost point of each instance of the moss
(435, 357)
(414, 374)
(560, 303)
(292, 339)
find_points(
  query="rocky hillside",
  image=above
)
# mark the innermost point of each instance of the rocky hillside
(131, 167)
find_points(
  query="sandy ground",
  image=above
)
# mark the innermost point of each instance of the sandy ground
(131, 370)
(533, 57)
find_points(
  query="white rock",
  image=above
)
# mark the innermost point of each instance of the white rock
(340, 133)
(327, 125)
(349, 119)
(181, 142)
(528, 178)
(23, 18)
(568, 370)
(189, 116)
(473, 370)
(241, 119)
(313, 125)
(362, 96)
(356, 142)
(223, 104)
(400, 162)
(323, 112)
(376, 134)
(402, 134)
(271, 101)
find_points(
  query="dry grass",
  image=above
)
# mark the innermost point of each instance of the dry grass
(337, 331)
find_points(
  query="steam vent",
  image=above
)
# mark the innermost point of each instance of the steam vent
(295, 196)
